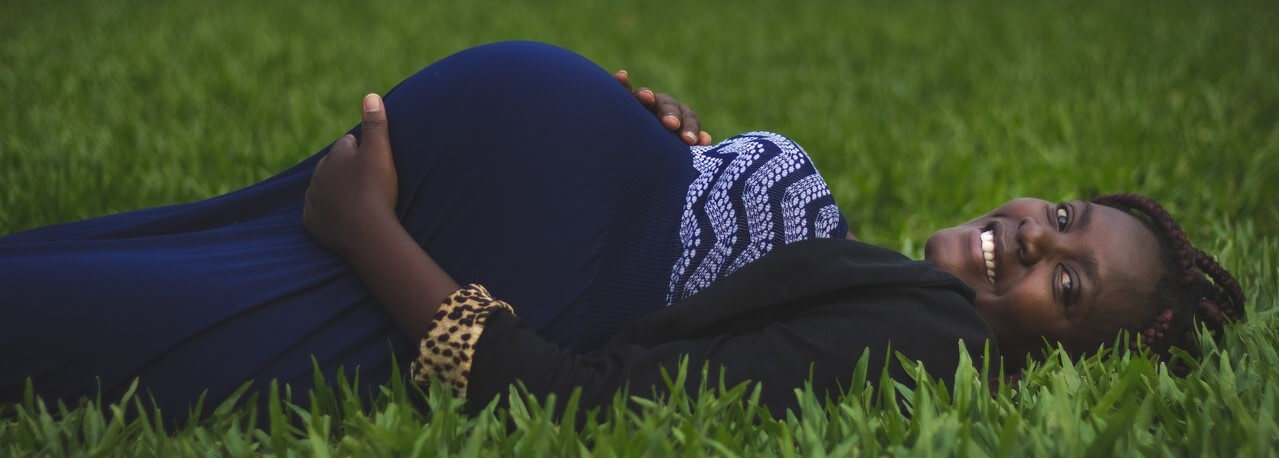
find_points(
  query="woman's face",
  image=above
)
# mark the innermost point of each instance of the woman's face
(1073, 272)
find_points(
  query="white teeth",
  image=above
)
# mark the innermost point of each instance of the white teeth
(988, 253)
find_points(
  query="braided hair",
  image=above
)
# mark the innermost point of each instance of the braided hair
(1194, 287)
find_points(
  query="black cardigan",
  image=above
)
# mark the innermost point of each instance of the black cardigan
(817, 303)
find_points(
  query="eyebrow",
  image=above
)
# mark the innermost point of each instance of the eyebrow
(1085, 216)
(1089, 258)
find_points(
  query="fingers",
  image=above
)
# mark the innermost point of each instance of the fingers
(343, 146)
(373, 130)
(669, 111)
(623, 77)
(673, 115)
(646, 97)
(690, 125)
(679, 118)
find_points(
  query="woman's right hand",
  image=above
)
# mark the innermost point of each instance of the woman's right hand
(354, 186)
(674, 115)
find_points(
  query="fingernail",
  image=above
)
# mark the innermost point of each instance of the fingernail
(624, 72)
(690, 137)
(670, 117)
(372, 103)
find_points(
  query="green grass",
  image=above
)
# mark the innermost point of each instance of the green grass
(920, 115)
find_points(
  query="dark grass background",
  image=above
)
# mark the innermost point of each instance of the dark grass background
(919, 114)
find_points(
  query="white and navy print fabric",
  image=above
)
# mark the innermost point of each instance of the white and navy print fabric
(753, 192)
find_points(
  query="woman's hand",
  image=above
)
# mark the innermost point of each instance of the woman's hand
(353, 186)
(673, 114)
(350, 209)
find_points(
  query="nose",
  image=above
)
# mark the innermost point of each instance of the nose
(1035, 241)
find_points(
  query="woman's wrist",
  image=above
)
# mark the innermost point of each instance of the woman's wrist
(360, 239)
(403, 277)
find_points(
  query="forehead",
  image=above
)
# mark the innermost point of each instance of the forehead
(1128, 261)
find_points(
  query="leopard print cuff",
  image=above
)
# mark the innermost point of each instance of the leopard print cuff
(449, 345)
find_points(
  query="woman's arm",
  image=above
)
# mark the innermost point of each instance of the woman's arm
(478, 348)
(350, 209)
(806, 311)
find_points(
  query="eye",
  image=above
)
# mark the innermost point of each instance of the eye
(1067, 285)
(1063, 217)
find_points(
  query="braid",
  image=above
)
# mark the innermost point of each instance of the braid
(1195, 287)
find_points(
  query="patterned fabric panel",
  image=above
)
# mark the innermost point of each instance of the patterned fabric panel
(449, 346)
(754, 192)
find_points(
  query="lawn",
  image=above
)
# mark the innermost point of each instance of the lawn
(919, 114)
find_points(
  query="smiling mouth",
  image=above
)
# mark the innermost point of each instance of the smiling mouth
(988, 252)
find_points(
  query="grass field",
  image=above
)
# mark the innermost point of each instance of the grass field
(919, 114)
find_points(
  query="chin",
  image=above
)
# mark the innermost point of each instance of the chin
(938, 246)
(930, 247)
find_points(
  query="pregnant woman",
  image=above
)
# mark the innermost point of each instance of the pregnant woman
(606, 248)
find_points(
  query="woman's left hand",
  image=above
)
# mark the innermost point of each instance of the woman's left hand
(674, 115)
(353, 185)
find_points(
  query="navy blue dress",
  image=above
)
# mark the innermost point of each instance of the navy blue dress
(521, 166)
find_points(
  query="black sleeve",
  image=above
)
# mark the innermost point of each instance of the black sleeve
(827, 336)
